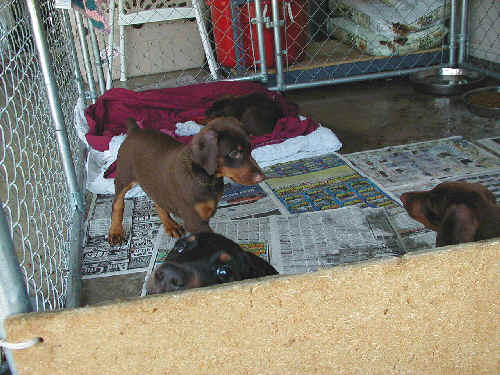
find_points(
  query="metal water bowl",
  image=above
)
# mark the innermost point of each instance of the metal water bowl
(446, 81)
(484, 102)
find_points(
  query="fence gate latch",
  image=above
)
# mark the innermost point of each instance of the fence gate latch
(265, 20)
(271, 24)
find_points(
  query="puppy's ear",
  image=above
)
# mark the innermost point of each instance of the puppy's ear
(420, 207)
(219, 107)
(204, 150)
(490, 196)
(459, 225)
(255, 266)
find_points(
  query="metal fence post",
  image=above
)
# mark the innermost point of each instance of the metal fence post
(121, 28)
(75, 195)
(462, 48)
(86, 55)
(277, 45)
(72, 48)
(111, 42)
(453, 19)
(97, 58)
(260, 37)
(205, 40)
(13, 296)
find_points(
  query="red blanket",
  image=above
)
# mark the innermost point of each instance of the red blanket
(162, 109)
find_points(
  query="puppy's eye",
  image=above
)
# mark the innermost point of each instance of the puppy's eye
(184, 244)
(235, 154)
(179, 248)
(224, 273)
(433, 217)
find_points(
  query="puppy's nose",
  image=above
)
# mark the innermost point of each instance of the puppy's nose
(174, 278)
(258, 177)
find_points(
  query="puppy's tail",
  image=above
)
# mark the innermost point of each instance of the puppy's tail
(131, 124)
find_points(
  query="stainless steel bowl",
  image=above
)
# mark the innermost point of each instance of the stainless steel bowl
(484, 102)
(446, 81)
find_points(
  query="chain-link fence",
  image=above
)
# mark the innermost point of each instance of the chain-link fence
(175, 42)
(38, 208)
(481, 36)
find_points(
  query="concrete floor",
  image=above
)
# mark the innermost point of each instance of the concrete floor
(364, 115)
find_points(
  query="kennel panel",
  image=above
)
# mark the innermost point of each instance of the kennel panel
(34, 193)
(427, 313)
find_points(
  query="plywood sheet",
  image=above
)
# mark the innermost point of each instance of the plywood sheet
(434, 312)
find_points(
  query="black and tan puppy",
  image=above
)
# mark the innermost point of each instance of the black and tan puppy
(205, 259)
(185, 180)
(458, 211)
(256, 111)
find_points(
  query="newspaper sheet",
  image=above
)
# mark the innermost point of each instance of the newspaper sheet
(412, 235)
(308, 241)
(322, 183)
(140, 224)
(251, 234)
(492, 144)
(490, 179)
(423, 162)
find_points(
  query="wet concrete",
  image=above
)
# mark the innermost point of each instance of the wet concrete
(374, 114)
(109, 288)
(364, 116)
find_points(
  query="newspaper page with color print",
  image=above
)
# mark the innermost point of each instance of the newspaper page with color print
(322, 183)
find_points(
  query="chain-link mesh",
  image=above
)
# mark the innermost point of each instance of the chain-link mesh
(484, 34)
(165, 53)
(320, 39)
(342, 38)
(32, 182)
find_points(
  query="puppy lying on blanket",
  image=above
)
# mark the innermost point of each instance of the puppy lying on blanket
(205, 259)
(458, 211)
(186, 180)
(256, 111)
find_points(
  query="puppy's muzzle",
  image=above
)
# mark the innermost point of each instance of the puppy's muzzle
(171, 277)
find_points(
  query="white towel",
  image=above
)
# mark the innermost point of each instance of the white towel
(187, 128)
(319, 142)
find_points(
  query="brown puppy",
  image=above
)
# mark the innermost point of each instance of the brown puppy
(256, 111)
(186, 180)
(458, 211)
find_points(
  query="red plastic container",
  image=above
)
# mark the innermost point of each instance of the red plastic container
(293, 33)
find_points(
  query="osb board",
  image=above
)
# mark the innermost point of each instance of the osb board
(431, 313)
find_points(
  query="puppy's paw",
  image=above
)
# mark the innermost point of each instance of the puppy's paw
(175, 231)
(115, 237)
